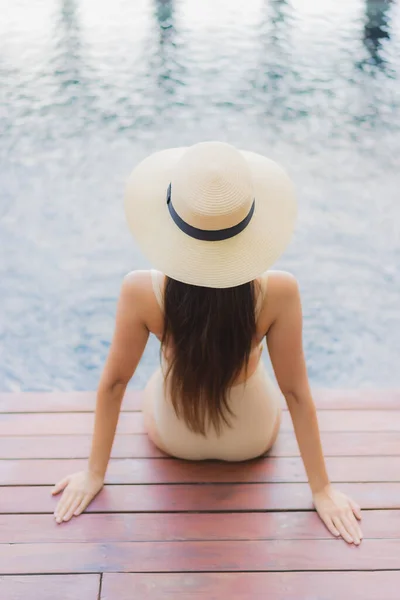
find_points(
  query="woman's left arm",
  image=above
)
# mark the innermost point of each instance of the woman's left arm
(285, 346)
(129, 341)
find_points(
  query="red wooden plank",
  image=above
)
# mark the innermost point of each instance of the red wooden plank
(343, 443)
(63, 423)
(356, 399)
(169, 470)
(352, 420)
(132, 422)
(254, 586)
(198, 498)
(335, 443)
(50, 587)
(78, 446)
(53, 402)
(265, 555)
(186, 526)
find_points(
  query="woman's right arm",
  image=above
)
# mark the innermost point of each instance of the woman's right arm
(285, 346)
(128, 344)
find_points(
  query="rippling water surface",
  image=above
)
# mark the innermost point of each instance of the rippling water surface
(89, 87)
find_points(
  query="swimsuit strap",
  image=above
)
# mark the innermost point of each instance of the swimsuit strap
(157, 289)
(262, 293)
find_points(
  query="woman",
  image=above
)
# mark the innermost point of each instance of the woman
(213, 220)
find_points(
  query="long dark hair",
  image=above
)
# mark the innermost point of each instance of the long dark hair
(210, 333)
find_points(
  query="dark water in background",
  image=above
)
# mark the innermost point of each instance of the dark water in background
(87, 88)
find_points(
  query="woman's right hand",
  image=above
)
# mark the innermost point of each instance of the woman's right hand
(79, 490)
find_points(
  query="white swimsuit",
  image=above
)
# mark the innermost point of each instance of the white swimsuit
(255, 404)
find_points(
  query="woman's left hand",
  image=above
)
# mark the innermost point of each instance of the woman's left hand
(339, 513)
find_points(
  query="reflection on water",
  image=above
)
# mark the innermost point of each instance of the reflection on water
(164, 13)
(376, 27)
(88, 88)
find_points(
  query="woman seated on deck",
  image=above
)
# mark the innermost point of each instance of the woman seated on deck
(212, 219)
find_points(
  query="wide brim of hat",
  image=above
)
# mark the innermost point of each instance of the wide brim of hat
(221, 264)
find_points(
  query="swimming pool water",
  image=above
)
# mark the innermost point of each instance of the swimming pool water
(88, 88)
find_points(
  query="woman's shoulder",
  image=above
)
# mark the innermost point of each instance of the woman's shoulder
(137, 285)
(282, 281)
(277, 286)
(137, 279)
(143, 285)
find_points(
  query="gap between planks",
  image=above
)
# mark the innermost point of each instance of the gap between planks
(174, 471)
(358, 399)
(148, 527)
(335, 443)
(253, 555)
(216, 498)
(133, 423)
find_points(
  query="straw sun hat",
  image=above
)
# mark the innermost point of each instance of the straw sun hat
(210, 215)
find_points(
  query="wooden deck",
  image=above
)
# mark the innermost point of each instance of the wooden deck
(163, 528)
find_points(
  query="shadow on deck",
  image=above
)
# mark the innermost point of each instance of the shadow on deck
(167, 528)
